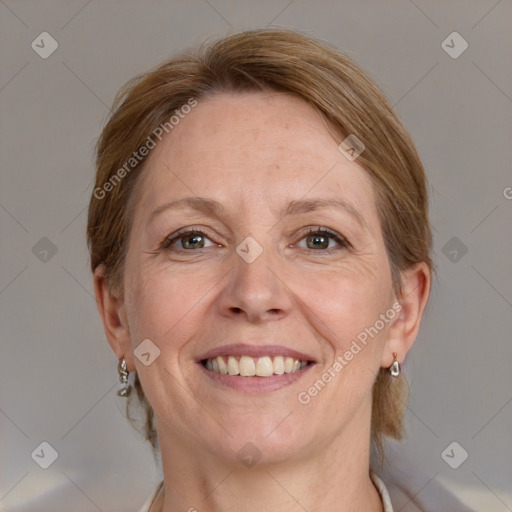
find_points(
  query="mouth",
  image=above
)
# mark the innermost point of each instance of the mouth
(254, 368)
(246, 366)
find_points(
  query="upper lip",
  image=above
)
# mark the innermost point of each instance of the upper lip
(242, 349)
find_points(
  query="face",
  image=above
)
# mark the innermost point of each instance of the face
(269, 268)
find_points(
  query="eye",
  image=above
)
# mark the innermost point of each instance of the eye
(190, 239)
(319, 238)
(316, 238)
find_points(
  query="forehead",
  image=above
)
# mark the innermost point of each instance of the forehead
(250, 148)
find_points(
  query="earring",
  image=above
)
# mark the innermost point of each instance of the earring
(123, 378)
(394, 369)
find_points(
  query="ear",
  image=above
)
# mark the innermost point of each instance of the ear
(113, 315)
(416, 282)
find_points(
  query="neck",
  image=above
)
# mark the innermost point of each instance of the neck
(333, 476)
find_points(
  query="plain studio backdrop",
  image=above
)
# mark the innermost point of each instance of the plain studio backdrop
(444, 65)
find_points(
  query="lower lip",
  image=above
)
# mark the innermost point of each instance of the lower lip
(255, 384)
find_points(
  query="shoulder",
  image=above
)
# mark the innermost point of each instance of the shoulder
(411, 485)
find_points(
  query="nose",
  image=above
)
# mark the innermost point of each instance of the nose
(257, 290)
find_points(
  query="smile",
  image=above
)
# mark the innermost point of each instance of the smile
(256, 367)
(246, 366)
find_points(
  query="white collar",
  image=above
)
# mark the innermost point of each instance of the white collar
(384, 494)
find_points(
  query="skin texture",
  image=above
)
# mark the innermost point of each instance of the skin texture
(254, 153)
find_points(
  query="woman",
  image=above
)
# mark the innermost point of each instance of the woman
(260, 245)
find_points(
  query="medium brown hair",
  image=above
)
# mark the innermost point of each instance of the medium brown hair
(268, 60)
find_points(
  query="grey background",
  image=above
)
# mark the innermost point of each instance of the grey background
(57, 373)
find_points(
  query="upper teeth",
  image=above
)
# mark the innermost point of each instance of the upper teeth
(247, 366)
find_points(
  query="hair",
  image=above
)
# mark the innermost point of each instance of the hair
(266, 60)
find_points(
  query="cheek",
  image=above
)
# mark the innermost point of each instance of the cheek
(165, 304)
(166, 308)
(345, 305)
(345, 314)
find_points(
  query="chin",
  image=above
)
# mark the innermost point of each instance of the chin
(262, 440)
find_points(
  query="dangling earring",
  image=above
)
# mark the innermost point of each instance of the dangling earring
(123, 378)
(394, 369)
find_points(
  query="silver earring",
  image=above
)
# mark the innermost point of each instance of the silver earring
(122, 369)
(394, 369)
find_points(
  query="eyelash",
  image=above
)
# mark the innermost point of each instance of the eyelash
(342, 241)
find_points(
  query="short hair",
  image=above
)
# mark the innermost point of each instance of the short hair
(281, 61)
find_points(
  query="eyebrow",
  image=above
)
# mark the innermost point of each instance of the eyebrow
(295, 207)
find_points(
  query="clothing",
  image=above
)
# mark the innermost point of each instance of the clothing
(379, 484)
(406, 473)
(151, 497)
(384, 494)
